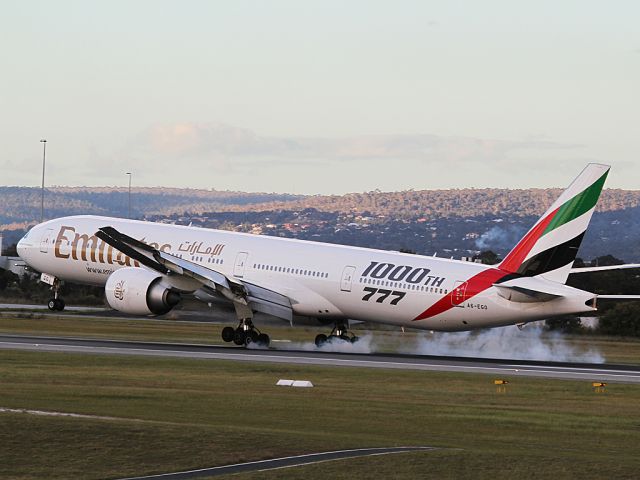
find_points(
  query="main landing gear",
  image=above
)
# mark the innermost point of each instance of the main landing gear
(340, 333)
(245, 334)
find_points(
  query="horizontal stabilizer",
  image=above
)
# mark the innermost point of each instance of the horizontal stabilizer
(619, 297)
(603, 268)
(529, 290)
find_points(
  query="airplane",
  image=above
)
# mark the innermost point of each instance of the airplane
(147, 268)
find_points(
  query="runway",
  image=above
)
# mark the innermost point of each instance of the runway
(21, 306)
(505, 367)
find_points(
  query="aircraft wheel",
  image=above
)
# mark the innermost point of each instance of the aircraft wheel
(263, 340)
(60, 305)
(228, 334)
(251, 337)
(239, 336)
(345, 338)
(354, 339)
(52, 304)
(321, 339)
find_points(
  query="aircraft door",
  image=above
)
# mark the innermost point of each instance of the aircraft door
(458, 294)
(347, 278)
(47, 239)
(238, 267)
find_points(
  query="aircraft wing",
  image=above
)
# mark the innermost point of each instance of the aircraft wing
(241, 293)
(606, 267)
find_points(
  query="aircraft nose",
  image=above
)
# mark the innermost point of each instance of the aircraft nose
(23, 247)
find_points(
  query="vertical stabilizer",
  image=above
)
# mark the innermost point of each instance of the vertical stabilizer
(551, 246)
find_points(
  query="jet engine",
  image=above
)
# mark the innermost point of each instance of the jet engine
(139, 291)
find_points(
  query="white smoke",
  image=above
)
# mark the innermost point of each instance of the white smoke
(364, 344)
(590, 323)
(499, 238)
(530, 343)
(533, 342)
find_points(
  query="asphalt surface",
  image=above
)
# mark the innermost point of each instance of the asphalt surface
(504, 367)
(21, 306)
(276, 463)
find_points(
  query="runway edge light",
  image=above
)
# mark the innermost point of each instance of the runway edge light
(598, 387)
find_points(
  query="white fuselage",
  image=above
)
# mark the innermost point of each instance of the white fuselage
(323, 281)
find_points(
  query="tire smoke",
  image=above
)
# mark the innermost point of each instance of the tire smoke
(364, 344)
(531, 343)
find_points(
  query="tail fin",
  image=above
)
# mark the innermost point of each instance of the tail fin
(550, 247)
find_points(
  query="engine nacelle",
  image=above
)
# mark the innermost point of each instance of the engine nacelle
(139, 291)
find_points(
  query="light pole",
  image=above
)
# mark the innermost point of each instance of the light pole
(44, 156)
(129, 209)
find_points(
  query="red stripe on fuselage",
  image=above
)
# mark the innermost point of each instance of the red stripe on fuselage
(475, 285)
(516, 256)
(485, 279)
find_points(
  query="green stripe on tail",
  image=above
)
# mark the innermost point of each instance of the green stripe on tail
(578, 205)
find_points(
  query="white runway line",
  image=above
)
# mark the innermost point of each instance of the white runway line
(283, 462)
(54, 414)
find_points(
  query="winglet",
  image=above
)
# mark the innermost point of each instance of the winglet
(130, 247)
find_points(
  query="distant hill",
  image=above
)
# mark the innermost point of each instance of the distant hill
(21, 205)
(447, 203)
(451, 222)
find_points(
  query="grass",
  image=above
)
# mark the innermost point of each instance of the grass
(613, 349)
(174, 414)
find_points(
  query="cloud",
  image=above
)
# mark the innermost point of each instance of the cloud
(210, 154)
(226, 145)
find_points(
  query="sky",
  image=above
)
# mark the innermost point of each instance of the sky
(319, 97)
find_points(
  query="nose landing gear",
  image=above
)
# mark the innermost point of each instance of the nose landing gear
(340, 333)
(56, 303)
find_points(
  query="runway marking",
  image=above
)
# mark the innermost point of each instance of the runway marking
(576, 369)
(54, 414)
(283, 462)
